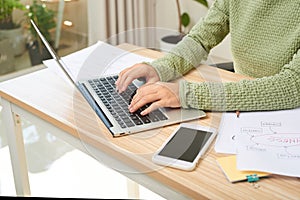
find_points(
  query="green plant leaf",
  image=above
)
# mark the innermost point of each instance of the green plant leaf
(185, 19)
(6, 13)
(44, 18)
(203, 2)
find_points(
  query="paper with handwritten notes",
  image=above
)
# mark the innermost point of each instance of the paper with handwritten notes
(263, 141)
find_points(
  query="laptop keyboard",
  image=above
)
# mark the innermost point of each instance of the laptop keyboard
(117, 104)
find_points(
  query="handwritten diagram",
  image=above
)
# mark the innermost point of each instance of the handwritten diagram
(262, 141)
(268, 137)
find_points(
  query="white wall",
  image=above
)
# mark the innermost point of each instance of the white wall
(167, 18)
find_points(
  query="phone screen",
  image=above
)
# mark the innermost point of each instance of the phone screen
(185, 144)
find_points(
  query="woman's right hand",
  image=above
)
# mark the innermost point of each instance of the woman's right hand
(140, 70)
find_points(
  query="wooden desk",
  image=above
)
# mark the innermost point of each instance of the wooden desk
(48, 100)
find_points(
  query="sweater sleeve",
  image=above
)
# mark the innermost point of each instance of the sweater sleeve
(281, 91)
(195, 46)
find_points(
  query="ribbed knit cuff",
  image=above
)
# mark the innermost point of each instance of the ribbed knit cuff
(183, 92)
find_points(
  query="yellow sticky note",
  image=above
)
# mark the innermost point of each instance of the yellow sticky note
(228, 165)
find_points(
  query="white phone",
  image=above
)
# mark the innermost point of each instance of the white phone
(185, 146)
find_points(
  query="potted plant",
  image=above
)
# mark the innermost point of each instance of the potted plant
(45, 20)
(167, 42)
(9, 28)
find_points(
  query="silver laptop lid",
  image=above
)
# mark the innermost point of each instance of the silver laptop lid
(52, 52)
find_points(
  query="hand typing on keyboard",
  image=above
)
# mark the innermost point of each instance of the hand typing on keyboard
(136, 71)
(159, 94)
(155, 93)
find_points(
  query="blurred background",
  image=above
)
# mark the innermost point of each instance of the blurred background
(76, 24)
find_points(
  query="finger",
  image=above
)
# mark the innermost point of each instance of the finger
(139, 100)
(146, 89)
(125, 82)
(121, 75)
(152, 107)
(128, 75)
(134, 106)
(120, 81)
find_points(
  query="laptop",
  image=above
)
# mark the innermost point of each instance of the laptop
(112, 107)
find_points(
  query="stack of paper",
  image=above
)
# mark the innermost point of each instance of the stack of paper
(228, 165)
(262, 141)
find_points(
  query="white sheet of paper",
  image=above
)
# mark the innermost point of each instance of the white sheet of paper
(96, 60)
(270, 142)
(226, 140)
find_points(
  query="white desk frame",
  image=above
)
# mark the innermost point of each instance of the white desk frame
(12, 115)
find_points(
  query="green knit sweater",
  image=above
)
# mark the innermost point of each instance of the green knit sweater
(265, 44)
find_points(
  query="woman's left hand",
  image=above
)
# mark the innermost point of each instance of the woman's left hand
(159, 94)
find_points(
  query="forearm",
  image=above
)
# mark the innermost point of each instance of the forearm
(184, 57)
(281, 91)
(195, 47)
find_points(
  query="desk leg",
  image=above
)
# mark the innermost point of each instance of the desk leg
(15, 141)
(132, 189)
